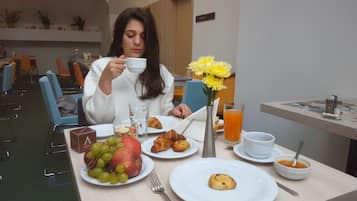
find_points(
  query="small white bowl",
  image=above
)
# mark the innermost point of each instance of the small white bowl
(290, 172)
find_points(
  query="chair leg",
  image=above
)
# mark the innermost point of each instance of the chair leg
(9, 117)
(54, 173)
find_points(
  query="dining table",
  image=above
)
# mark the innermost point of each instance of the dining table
(323, 183)
(310, 112)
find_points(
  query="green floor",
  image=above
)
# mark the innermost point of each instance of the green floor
(22, 173)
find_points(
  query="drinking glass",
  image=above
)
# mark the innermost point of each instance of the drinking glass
(233, 121)
(139, 114)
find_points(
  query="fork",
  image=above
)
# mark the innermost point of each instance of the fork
(157, 187)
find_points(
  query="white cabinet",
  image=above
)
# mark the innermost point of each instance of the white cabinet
(21, 34)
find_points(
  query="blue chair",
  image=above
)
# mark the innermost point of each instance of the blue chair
(56, 120)
(50, 100)
(6, 86)
(193, 95)
(74, 92)
(7, 107)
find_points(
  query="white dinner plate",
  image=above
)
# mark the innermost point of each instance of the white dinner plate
(169, 154)
(103, 130)
(147, 167)
(239, 151)
(167, 122)
(190, 181)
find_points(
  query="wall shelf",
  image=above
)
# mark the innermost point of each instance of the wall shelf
(22, 34)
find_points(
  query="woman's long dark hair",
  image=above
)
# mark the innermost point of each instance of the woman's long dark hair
(151, 78)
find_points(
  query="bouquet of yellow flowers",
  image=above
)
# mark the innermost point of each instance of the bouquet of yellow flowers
(213, 73)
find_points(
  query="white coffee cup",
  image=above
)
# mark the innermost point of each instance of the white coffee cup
(258, 144)
(135, 65)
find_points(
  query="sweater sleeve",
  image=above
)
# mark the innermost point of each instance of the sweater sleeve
(167, 104)
(98, 107)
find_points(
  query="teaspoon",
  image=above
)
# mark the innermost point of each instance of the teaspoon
(301, 143)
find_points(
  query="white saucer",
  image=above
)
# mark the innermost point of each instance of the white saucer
(239, 151)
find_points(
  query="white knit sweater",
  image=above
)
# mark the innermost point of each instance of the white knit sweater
(114, 108)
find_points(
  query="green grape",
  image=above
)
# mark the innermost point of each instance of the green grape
(123, 177)
(100, 163)
(95, 149)
(103, 177)
(120, 168)
(113, 178)
(96, 171)
(90, 155)
(120, 145)
(91, 173)
(106, 157)
(111, 141)
(104, 149)
(112, 149)
(117, 140)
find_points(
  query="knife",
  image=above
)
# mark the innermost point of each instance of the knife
(287, 189)
(188, 125)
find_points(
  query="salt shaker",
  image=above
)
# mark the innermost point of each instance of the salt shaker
(331, 104)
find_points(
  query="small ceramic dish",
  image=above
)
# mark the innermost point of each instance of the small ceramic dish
(283, 167)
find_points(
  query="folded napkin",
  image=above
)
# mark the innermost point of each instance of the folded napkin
(196, 129)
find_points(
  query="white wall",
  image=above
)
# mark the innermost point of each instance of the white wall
(95, 12)
(216, 37)
(297, 50)
(286, 50)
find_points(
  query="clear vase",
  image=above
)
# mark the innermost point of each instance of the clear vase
(209, 147)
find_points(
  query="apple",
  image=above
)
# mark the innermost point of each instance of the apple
(132, 144)
(129, 155)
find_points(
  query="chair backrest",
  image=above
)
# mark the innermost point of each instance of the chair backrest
(60, 69)
(49, 99)
(52, 77)
(51, 105)
(7, 78)
(25, 65)
(78, 75)
(193, 95)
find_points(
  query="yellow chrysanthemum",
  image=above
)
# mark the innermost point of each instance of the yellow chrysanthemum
(213, 82)
(197, 68)
(205, 60)
(213, 73)
(219, 69)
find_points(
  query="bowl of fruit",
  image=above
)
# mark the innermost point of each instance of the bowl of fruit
(115, 161)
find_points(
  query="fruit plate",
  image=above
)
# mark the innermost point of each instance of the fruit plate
(190, 181)
(147, 167)
(168, 122)
(169, 154)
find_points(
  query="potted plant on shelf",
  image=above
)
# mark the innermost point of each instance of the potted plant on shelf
(11, 18)
(79, 22)
(45, 19)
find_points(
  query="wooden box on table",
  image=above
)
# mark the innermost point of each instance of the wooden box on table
(82, 138)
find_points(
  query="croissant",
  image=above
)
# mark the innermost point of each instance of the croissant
(153, 122)
(161, 144)
(165, 141)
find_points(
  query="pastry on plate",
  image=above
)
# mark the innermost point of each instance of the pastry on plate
(161, 144)
(180, 145)
(221, 182)
(166, 140)
(154, 122)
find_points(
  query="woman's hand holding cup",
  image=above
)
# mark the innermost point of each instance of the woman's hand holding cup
(114, 68)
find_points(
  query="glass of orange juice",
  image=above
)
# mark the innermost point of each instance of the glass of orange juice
(233, 121)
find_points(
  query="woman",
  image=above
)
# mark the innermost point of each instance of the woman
(109, 87)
